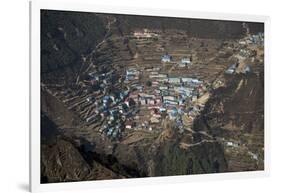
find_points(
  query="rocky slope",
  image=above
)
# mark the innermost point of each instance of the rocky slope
(63, 161)
(235, 116)
(65, 38)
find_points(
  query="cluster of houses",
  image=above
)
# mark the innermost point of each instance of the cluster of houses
(246, 53)
(257, 39)
(109, 104)
(114, 120)
(117, 109)
(184, 62)
(113, 109)
(166, 96)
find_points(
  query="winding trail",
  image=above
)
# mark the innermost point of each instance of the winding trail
(108, 27)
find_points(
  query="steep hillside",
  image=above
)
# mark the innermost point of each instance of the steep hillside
(65, 38)
(235, 116)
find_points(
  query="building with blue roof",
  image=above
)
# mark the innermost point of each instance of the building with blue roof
(166, 58)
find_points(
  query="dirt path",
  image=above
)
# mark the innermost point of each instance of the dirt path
(108, 27)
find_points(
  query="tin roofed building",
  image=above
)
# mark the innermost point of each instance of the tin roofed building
(247, 69)
(166, 58)
(186, 61)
